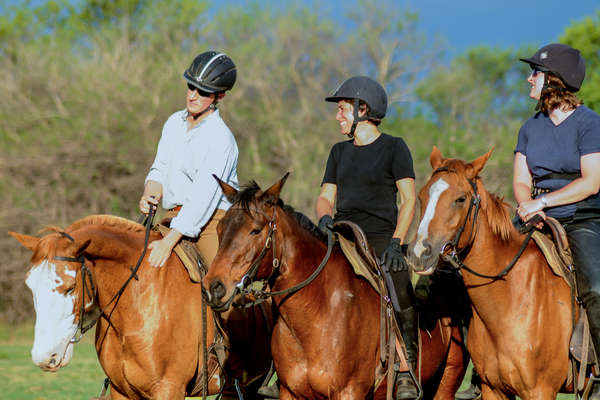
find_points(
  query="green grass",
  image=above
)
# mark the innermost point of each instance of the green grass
(81, 379)
(21, 379)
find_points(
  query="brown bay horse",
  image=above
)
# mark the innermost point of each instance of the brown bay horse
(519, 335)
(326, 341)
(148, 339)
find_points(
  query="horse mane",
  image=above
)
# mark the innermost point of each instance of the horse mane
(106, 220)
(497, 214)
(247, 195)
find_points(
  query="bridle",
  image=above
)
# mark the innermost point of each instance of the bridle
(450, 251)
(91, 290)
(243, 286)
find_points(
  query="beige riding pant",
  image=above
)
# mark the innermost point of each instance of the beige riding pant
(208, 240)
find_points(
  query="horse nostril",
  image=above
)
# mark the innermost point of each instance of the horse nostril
(217, 289)
(427, 250)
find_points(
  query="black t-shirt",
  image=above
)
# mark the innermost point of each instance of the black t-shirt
(366, 181)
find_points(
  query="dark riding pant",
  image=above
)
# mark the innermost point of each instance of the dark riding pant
(584, 240)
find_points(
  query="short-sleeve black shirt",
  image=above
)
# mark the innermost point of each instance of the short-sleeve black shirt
(366, 181)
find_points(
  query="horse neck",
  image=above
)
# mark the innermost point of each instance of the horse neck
(489, 254)
(112, 252)
(301, 253)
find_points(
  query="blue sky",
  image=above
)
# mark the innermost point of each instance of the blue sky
(503, 23)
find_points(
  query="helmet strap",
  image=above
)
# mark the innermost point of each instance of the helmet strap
(211, 107)
(357, 119)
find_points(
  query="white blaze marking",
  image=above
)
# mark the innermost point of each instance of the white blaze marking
(435, 191)
(54, 325)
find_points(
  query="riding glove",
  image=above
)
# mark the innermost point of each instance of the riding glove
(393, 257)
(326, 223)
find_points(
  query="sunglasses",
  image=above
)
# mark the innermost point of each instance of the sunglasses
(535, 71)
(198, 90)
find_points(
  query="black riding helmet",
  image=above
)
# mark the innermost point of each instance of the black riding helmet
(211, 72)
(366, 89)
(563, 61)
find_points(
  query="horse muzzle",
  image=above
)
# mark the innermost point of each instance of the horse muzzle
(422, 258)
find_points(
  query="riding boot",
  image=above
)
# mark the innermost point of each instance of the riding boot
(592, 308)
(408, 324)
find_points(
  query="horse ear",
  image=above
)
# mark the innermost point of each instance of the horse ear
(275, 189)
(229, 191)
(27, 241)
(436, 158)
(478, 164)
(81, 248)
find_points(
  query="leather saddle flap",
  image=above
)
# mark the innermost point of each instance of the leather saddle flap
(188, 254)
(577, 345)
(555, 249)
(358, 252)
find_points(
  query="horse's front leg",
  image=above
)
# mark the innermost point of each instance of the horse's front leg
(488, 393)
(168, 390)
(285, 394)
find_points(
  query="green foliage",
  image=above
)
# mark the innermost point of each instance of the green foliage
(88, 85)
(585, 36)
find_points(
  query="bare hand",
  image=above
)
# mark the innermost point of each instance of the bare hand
(161, 249)
(146, 202)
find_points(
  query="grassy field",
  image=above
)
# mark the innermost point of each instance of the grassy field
(82, 379)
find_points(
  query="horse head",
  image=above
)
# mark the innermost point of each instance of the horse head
(450, 201)
(58, 296)
(246, 242)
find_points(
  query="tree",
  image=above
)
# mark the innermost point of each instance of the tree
(585, 36)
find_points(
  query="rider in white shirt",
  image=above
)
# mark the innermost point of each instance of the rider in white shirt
(195, 144)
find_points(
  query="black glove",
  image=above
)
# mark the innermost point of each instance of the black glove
(393, 257)
(326, 223)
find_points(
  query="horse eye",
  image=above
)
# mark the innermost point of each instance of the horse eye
(255, 231)
(460, 200)
(70, 290)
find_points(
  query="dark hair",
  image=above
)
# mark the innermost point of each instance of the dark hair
(364, 104)
(557, 95)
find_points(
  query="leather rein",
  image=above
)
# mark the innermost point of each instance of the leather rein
(91, 289)
(453, 256)
(261, 295)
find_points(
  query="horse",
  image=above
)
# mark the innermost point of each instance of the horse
(519, 335)
(149, 333)
(326, 340)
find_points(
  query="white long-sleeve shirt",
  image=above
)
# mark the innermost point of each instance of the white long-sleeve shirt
(184, 164)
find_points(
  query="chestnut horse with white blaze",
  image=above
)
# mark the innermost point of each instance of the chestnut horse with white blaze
(519, 334)
(326, 341)
(149, 336)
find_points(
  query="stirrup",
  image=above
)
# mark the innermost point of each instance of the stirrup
(592, 386)
(404, 376)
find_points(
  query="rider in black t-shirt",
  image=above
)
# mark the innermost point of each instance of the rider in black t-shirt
(364, 175)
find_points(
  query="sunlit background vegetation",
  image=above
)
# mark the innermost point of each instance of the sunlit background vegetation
(87, 85)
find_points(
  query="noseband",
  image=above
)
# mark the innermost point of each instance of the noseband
(450, 251)
(243, 286)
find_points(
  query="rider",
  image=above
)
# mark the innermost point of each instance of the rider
(195, 144)
(364, 174)
(557, 167)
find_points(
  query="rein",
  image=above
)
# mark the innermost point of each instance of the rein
(242, 287)
(86, 272)
(452, 257)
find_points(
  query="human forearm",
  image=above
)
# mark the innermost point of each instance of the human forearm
(405, 216)
(324, 207)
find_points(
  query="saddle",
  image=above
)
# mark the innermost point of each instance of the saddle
(191, 258)
(361, 256)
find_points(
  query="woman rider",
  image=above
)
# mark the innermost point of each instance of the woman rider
(557, 166)
(364, 175)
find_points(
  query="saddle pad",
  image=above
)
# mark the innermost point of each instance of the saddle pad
(555, 262)
(188, 254)
(360, 267)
